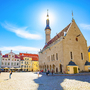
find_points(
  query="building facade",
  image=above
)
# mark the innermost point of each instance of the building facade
(10, 60)
(67, 46)
(26, 64)
(29, 62)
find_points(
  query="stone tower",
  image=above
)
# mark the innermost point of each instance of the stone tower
(0, 58)
(47, 30)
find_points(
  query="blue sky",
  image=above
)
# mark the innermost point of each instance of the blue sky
(22, 22)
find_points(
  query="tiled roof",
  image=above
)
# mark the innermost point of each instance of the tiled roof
(16, 56)
(87, 63)
(71, 63)
(5, 56)
(58, 36)
(34, 58)
(27, 54)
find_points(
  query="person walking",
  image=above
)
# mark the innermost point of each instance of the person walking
(38, 73)
(0, 72)
(10, 74)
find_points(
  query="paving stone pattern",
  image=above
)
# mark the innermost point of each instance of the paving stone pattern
(31, 81)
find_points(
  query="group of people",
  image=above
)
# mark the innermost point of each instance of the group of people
(47, 73)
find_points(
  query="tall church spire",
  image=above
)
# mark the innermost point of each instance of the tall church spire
(47, 29)
(47, 21)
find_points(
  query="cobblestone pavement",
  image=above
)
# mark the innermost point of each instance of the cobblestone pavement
(31, 81)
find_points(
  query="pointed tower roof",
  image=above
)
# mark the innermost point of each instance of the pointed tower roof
(47, 21)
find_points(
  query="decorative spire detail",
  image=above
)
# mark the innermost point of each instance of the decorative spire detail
(72, 15)
(47, 13)
(47, 21)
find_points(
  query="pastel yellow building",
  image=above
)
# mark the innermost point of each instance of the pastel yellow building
(72, 68)
(89, 53)
(26, 64)
(35, 65)
(87, 66)
(29, 63)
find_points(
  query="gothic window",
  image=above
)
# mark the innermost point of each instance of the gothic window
(56, 56)
(48, 58)
(82, 56)
(53, 57)
(71, 55)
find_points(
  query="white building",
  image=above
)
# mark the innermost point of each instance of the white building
(10, 60)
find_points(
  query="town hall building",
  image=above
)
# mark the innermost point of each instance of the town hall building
(66, 52)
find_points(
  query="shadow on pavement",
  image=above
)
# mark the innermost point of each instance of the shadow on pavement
(54, 82)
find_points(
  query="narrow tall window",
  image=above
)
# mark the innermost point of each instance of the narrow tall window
(56, 56)
(71, 55)
(53, 57)
(81, 56)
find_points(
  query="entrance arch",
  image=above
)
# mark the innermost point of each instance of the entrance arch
(60, 66)
(56, 70)
(50, 67)
(53, 67)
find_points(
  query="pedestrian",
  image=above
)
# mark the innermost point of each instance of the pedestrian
(47, 73)
(0, 72)
(38, 73)
(10, 74)
(52, 71)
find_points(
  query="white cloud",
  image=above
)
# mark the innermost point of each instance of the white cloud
(21, 32)
(85, 26)
(20, 49)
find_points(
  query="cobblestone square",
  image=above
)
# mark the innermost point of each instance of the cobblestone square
(31, 81)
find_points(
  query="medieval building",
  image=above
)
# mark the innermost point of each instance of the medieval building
(66, 52)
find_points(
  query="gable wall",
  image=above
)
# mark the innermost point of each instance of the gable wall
(76, 47)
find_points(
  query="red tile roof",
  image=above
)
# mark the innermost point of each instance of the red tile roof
(57, 36)
(6, 56)
(34, 58)
(27, 54)
(16, 56)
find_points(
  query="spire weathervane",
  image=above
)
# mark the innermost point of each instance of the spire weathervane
(72, 15)
(47, 13)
